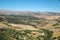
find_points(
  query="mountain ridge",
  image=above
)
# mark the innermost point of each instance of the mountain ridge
(9, 12)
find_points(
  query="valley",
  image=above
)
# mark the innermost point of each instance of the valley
(29, 26)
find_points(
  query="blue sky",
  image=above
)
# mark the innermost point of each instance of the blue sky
(31, 5)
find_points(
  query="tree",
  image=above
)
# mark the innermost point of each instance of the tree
(48, 34)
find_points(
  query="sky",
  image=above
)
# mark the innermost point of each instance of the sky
(31, 5)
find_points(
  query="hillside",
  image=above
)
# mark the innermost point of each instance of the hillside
(33, 25)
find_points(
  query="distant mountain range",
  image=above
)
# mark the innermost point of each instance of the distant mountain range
(8, 12)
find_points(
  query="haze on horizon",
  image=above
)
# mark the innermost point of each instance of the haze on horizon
(31, 5)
